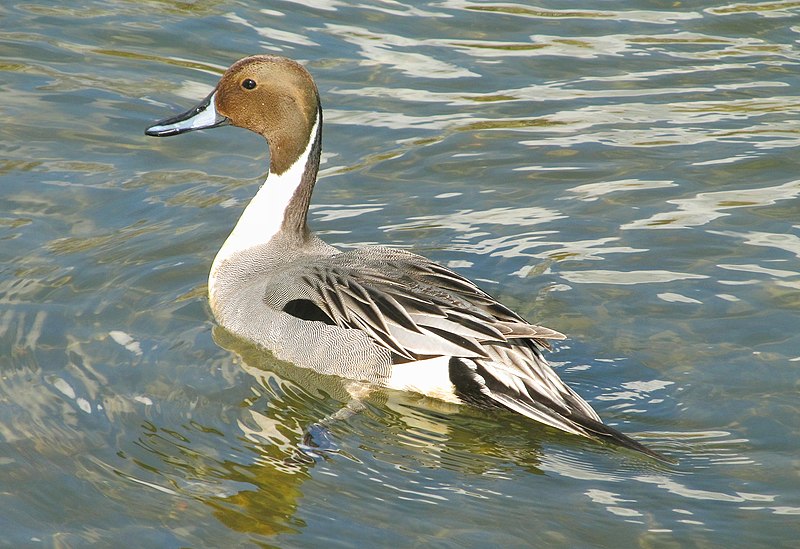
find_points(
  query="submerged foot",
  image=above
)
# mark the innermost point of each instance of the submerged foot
(317, 440)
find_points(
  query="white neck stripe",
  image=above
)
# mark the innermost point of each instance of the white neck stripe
(263, 217)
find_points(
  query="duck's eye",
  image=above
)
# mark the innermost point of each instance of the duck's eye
(248, 83)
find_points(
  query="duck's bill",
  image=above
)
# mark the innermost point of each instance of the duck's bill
(202, 116)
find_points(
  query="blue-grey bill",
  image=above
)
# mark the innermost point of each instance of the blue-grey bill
(203, 116)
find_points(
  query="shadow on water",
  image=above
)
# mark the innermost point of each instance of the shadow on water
(242, 452)
(289, 423)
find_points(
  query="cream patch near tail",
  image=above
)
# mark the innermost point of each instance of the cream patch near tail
(430, 377)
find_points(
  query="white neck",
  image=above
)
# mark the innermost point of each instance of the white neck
(263, 216)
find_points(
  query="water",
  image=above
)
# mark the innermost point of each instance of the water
(625, 174)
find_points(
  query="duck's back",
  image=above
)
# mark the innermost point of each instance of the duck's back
(380, 305)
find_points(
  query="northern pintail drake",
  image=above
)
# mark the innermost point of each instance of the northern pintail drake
(376, 314)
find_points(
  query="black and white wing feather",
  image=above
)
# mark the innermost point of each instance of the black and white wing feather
(406, 303)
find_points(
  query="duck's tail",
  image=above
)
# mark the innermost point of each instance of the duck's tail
(602, 432)
(480, 383)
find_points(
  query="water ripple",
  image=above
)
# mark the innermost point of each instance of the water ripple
(501, 138)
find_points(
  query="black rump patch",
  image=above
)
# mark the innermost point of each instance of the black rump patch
(469, 385)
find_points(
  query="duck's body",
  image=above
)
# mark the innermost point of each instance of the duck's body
(374, 314)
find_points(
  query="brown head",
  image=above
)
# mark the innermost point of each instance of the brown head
(270, 95)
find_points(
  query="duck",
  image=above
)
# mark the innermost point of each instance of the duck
(378, 315)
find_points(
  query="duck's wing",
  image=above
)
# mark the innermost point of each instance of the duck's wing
(407, 304)
(417, 309)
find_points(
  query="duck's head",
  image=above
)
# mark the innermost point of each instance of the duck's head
(270, 95)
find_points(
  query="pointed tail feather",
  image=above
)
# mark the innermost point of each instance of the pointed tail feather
(575, 423)
(475, 384)
(604, 433)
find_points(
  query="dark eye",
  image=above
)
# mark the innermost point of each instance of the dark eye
(248, 83)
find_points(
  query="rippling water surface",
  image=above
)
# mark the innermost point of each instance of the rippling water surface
(626, 173)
